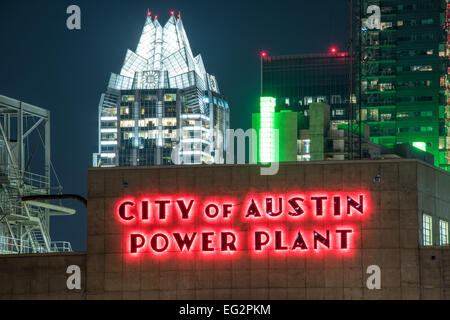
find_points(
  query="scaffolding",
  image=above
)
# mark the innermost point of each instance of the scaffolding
(25, 170)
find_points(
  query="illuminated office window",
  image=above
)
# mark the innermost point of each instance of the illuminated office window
(127, 98)
(427, 230)
(124, 111)
(443, 233)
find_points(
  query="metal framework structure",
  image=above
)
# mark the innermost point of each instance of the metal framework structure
(354, 142)
(25, 147)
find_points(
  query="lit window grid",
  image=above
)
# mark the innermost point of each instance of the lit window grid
(267, 113)
(427, 230)
(108, 118)
(127, 123)
(108, 155)
(195, 140)
(111, 130)
(194, 116)
(170, 44)
(266, 145)
(443, 233)
(200, 64)
(266, 142)
(202, 84)
(109, 143)
(145, 46)
(108, 136)
(141, 80)
(166, 122)
(200, 67)
(190, 61)
(167, 50)
(156, 44)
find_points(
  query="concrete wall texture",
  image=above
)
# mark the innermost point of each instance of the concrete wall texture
(389, 237)
(40, 276)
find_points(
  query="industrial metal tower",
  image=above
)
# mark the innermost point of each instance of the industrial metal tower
(25, 170)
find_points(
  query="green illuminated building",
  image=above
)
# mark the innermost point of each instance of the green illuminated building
(287, 127)
(404, 81)
(296, 136)
(289, 136)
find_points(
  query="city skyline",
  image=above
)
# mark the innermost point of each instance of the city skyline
(225, 151)
(65, 71)
(162, 99)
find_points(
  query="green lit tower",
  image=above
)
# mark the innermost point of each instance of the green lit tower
(404, 80)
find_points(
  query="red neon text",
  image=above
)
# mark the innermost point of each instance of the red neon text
(276, 223)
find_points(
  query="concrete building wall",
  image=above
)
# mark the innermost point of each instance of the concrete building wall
(433, 197)
(388, 237)
(40, 276)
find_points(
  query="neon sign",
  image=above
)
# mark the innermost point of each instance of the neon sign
(297, 223)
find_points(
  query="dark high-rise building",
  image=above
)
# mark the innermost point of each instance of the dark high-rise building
(404, 75)
(299, 80)
(162, 101)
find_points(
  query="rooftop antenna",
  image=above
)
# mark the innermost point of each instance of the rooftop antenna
(263, 55)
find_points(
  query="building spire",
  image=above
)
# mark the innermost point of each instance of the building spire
(164, 49)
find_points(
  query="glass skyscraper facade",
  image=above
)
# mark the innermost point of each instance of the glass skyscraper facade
(296, 83)
(299, 80)
(404, 74)
(163, 107)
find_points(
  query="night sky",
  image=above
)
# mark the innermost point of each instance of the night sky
(45, 64)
